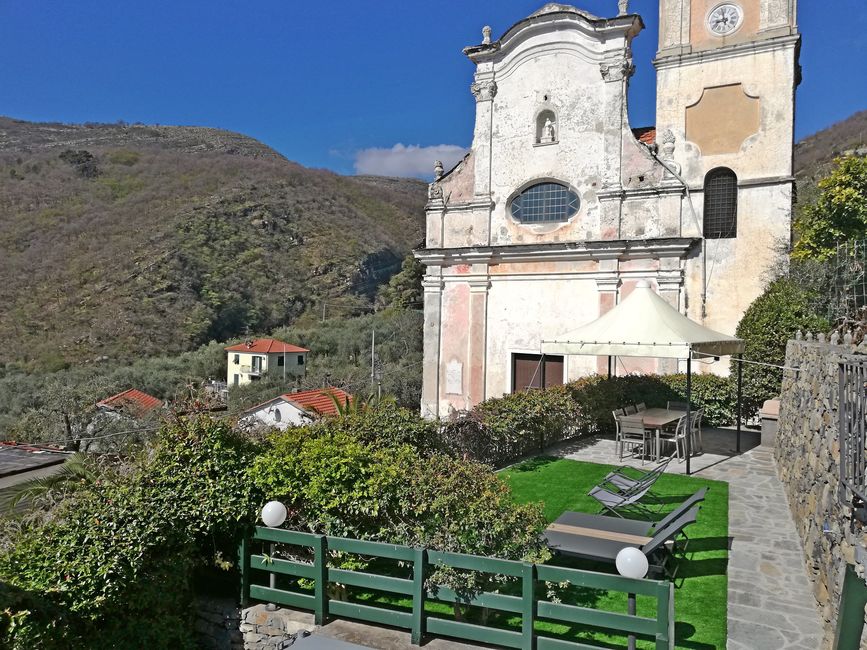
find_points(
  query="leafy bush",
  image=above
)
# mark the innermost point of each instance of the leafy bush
(333, 483)
(838, 214)
(114, 564)
(385, 424)
(769, 322)
(502, 430)
(599, 396)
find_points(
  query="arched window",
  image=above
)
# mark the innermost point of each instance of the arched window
(545, 202)
(720, 204)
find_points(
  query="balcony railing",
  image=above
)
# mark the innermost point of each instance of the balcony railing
(252, 370)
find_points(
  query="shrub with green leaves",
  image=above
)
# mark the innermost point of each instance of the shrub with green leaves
(769, 322)
(113, 566)
(336, 484)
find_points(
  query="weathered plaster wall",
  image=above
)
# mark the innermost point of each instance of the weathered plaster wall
(767, 75)
(521, 315)
(808, 462)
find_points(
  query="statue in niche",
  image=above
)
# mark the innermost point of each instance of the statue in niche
(548, 132)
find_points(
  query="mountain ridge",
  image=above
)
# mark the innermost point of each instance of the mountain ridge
(129, 240)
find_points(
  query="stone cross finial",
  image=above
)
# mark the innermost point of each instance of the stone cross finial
(622, 7)
(438, 169)
(486, 35)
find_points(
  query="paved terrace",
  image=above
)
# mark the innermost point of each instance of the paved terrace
(770, 598)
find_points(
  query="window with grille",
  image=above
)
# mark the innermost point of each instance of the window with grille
(720, 204)
(545, 202)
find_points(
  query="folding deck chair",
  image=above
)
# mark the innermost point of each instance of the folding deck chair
(622, 482)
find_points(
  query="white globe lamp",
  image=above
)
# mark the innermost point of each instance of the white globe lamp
(631, 562)
(274, 514)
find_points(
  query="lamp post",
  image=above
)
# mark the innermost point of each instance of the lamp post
(273, 515)
(631, 563)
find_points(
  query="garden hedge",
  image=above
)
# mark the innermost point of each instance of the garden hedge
(501, 430)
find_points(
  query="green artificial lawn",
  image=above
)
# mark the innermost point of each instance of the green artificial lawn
(701, 584)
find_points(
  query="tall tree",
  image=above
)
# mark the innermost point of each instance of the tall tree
(839, 212)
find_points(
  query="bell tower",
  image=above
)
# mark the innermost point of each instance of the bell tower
(726, 77)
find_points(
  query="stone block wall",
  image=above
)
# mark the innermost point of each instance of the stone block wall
(807, 452)
(273, 630)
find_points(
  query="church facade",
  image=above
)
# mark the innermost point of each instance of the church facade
(561, 206)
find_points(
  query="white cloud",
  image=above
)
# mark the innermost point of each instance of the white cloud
(407, 160)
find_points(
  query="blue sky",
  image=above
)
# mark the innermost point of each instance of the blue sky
(334, 84)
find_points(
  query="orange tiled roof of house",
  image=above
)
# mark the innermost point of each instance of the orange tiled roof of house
(132, 402)
(265, 346)
(645, 134)
(318, 399)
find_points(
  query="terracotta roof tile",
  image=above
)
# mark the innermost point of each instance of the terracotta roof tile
(265, 346)
(318, 400)
(645, 134)
(132, 402)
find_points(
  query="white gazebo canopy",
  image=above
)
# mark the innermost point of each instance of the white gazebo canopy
(644, 325)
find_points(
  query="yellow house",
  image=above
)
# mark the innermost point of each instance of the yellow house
(250, 360)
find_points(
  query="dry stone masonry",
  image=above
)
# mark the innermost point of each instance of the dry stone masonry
(808, 461)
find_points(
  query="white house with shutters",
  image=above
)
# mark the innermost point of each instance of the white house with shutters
(250, 360)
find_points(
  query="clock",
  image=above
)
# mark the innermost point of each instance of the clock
(724, 19)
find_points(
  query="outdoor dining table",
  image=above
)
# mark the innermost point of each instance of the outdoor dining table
(657, 419)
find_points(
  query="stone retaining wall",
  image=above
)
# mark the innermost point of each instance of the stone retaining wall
(807, 452)
(216, 624)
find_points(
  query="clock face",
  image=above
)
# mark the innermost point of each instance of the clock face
(724, 19)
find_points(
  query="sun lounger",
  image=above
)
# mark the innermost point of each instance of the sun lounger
(604, 545)
(628, 526)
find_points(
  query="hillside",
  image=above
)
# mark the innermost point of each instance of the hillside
(127, 240)
(814, 154)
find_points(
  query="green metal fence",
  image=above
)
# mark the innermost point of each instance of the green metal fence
(530, 606)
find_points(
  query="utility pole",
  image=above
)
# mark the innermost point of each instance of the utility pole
(372, 354)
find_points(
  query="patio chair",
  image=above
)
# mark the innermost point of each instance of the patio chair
(626, 501)
(630, 409)
(676, 406)
(622, 482)
(695, 430)
(641, 407)
(632, 433)
(602, 549)
(678, 437)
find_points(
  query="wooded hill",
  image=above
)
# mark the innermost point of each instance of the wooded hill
(124, 241)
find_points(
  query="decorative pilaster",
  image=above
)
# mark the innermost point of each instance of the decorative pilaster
(669, 285)
(776, 15)
(484, 89)
(674, 22)
(607, 288)
(477, 339)
(432, 285)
